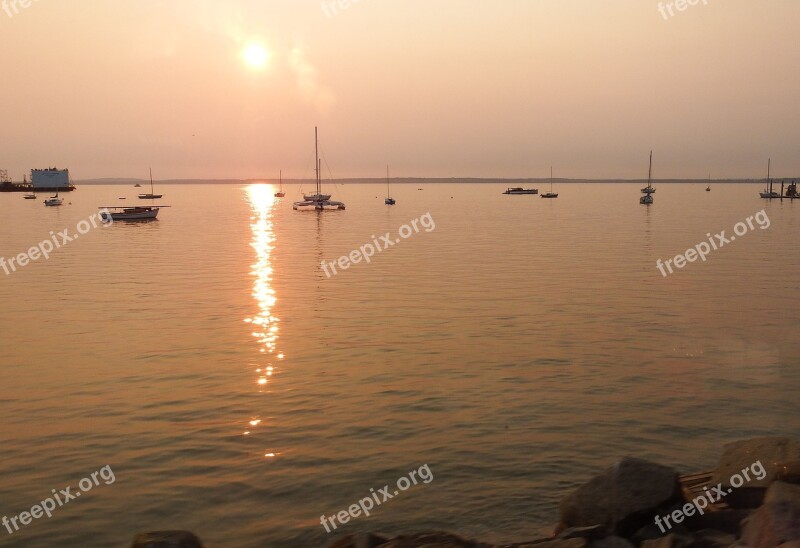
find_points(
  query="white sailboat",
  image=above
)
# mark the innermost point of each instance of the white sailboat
(318, 201)
(54, 200)
(389, 200)
(150, 196)
(550, 194)
(768, 192)
(280, 193)
(648, 191)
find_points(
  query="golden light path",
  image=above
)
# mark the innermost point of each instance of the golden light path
(265, 324)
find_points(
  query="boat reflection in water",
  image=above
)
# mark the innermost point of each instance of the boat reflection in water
(264, 323)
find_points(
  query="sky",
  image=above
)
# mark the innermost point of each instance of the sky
(214, 89)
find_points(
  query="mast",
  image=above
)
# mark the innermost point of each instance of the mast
(650, 171)
(551, 179)
(281, 179)
(151, 184)
(769, 183)
(388, 195)
(316, 152)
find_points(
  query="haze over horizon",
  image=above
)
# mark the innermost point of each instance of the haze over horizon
(218, 89)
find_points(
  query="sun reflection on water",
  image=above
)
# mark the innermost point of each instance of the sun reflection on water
(264, 323)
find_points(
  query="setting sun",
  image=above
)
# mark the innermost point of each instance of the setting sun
(255, 56)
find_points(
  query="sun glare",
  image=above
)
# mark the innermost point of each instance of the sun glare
(255, 56)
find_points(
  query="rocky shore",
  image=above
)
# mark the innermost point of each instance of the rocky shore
(751, 500)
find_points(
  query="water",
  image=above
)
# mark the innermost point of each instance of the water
(516, 349)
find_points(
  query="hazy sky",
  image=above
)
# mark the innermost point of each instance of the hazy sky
(432, 87)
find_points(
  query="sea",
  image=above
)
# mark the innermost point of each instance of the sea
(245, 371)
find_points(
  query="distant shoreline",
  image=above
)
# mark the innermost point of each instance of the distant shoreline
(420, 180)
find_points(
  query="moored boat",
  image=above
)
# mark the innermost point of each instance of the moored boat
(142, 213)
(519, 190)
(318, 201)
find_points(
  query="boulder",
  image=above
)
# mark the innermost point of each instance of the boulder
(758, 462)
(777, 521)
(622, 499)
(709, 538)
(611, 542)
(673, 540)
(167, 539)
(549, 543)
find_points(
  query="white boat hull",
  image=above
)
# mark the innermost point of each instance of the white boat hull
(52, 202)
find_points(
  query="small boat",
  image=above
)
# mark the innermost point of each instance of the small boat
(648, 191)
(141, 213)
(318, 200)
(54, 200)
(280, 193)
(137, 185)
(520, 190)
(550, 194)
(31, 196)
(768, 192)
(708, 188)
(389, 200)
(150, 196)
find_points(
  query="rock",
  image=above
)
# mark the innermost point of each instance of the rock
(167, 539)
(709, 538)
(611, 542)
(359, 540)
(673, 540)
(432, 540)
(789, 472)
(727, 521)
(550, 543)
(778, 519)
(595, 532)
(757, 462)
(623, 498)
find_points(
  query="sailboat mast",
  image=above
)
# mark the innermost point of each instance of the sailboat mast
(387, 182)
(769, 183)
(151, 183)
(650, 171)
(551, 178)
(281, 179)
(316, 153)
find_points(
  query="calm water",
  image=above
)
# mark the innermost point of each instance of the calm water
(516, 349)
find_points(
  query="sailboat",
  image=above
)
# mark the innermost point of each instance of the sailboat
(280, 193)
(150, 196)
(550, 194)
(318, 200)
(648, 191)
(389, 200)
(54, 200)
(768, 192)
(708, 188)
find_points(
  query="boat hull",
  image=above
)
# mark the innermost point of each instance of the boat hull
(520, 191)
(130, 215)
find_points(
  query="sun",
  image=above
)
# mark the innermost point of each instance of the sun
(255, 56)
